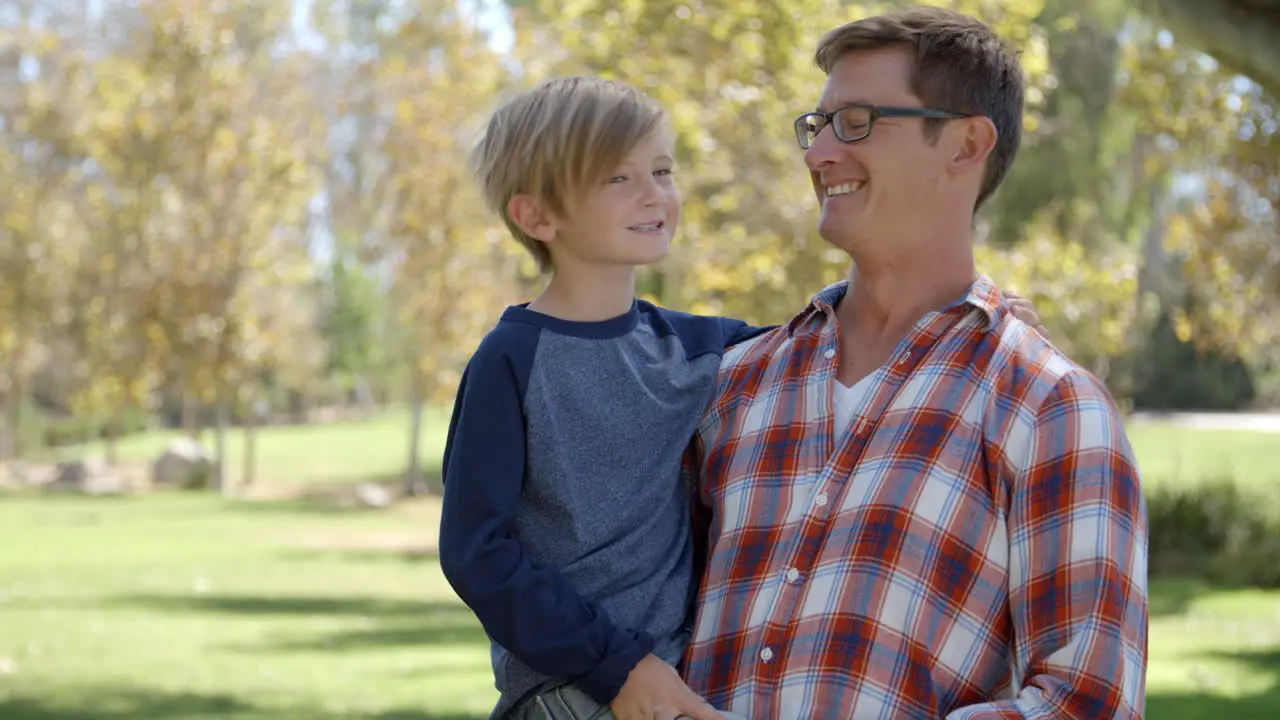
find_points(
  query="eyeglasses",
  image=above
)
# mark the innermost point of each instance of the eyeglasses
(852, 123)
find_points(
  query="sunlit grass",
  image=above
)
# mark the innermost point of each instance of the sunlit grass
(374, 448)
(173, 606)
(193, 607)
(1169, 455)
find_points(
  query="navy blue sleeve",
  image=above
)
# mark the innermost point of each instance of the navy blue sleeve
(704, 333)
(531, 610)
(736, 331)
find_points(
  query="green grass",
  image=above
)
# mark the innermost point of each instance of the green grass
(171, 606)
(1215, 654)
(193, 607)
(377, 448)
(1182, 456)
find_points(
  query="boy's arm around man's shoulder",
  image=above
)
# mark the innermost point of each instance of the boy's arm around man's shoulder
(706, 332)
(530, 610)
(738, 331)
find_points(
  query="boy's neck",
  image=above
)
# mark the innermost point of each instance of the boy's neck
(588, 293)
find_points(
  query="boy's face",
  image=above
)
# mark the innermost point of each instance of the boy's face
(630, 218)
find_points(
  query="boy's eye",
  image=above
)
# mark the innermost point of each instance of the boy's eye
(663, 171)
(618, 179)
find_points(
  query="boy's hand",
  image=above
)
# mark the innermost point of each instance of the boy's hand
(1025, 310)
(654, 691)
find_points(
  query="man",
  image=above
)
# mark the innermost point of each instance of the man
(920, 508)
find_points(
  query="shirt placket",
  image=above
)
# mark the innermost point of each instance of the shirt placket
(841, 456)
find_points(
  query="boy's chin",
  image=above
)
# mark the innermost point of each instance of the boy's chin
(648, 253)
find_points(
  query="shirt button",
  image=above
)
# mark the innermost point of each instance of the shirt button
(766, 654)
(902, 359)
(830, 353)
(821, 500)
(793, 575)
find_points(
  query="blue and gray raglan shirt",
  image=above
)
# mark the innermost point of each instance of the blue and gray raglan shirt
(566, 525)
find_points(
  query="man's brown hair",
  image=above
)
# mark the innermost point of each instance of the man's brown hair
(961, 65)
(555, 140)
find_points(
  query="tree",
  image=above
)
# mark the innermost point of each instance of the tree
(732, 75)
(1240, 33)
(207, 155)
(353, 308)
(446, 275)
(117, 314)
(44, 81)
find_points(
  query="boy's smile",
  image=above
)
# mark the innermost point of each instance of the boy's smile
(639, 198)
(649, 228)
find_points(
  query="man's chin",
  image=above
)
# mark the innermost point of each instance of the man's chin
(841, 236)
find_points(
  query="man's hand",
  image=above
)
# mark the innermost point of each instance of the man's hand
(654, 691)
(1025, 310)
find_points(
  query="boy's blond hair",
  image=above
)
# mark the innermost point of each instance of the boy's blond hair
(554, 141)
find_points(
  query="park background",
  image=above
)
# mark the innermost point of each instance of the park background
(242, 266)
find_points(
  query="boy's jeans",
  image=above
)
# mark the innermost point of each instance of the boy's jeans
(569, 703)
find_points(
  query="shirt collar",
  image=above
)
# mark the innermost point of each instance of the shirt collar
(982, 294)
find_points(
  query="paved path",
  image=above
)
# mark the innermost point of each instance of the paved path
(1258, 421)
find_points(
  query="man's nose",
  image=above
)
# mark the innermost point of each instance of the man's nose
(824, 149)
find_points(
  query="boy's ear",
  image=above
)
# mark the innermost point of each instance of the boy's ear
(530, 216)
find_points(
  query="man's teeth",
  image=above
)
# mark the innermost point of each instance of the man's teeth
(844, 189)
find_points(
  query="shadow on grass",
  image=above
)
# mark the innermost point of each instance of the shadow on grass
(304, 605)
(406, 553)
(437, 624)
(110, 702)
(339, 496)
(1206, 706)
(379, 622)
(113, 702)
(1174, 596)
(1209, 706)
(1265, 660)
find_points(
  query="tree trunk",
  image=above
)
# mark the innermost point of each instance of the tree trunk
(112, 439)
(7, 429)
(221, 478)
(189, 410)
(250, 446)
(16, 449)
(413, 471)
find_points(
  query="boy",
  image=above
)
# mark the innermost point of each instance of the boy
(566, 526)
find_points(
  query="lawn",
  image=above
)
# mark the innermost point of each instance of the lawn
(1184, 456)
(195, 607)
(187, 607)
(373, 449)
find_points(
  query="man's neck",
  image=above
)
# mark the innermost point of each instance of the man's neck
(587, 293)
(887, 295)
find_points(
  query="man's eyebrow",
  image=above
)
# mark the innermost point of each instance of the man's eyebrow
(843, 103)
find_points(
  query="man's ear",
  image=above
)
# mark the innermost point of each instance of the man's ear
(531, 217)
(976, 140)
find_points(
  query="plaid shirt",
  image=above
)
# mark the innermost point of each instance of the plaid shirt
(974, 546)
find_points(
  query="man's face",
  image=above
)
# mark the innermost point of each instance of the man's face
(874, 190)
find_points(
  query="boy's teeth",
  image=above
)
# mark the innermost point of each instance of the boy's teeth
(844, 189)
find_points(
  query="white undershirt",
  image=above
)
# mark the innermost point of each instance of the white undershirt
(849, 400)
